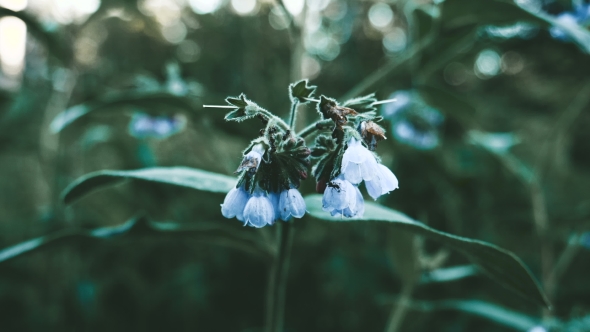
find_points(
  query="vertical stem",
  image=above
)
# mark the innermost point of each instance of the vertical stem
(293, 115)
(399, 310)
(275, 307)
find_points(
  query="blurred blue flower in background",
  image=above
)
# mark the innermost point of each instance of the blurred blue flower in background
(146, 126)
(413, 122)
(580, 16)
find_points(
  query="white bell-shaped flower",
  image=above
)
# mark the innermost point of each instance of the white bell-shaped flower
(342, 197)
(291, 203)
(259, 210)
(382, 183)
(358, 163)
(234, 203)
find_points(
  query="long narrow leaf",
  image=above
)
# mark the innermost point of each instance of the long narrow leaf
(502, 265)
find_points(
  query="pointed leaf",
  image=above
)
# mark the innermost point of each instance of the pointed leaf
(362, 104)
(141, 227)
(245, 109)
(178, 176)
(502, 265)
(138, 98)
(300, 90)
(501, 315)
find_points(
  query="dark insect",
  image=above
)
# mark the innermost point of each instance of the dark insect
(334, 185)
(372, 133)
(338, 114)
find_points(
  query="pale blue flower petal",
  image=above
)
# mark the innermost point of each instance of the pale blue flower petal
(234, 203)
(291, 203)
(358, 163)
(259, 211)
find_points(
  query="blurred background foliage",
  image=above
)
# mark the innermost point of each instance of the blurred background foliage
(489, 137)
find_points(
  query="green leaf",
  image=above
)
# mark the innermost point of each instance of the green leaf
(141, 227)
(362, 104)
(502, 265)
(447, 274)
(493, 312)
(137, 98)
(178, 176)
(300, 90)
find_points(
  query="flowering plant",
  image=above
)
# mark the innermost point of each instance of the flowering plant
(275, 163)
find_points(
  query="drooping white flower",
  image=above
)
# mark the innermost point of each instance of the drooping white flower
(358, 163)
(291, 203)
(234, 203)
(382, 183)
(342, 197)
(259, 210)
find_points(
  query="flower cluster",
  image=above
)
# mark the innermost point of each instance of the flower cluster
(275, 163)
(258, 207)
(347, 159)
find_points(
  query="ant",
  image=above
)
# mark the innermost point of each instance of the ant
(335, 186)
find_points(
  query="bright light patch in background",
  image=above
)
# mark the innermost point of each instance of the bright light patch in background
(512, 63)
(68, 11)
(277, 19)
(188, 51)
(395, 40)
(317, 5)
(380, 15)
(310, 67)
(243, 7)
(15, 5)
(487, 64)
(174, 33)
(294, 6)
(13, 38)
(204, 6)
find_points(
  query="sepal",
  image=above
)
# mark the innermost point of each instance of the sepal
(245, 109)
(299, 91)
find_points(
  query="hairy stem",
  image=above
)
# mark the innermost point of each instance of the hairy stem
(275, 306)
(399, 310)
(293, 115)
(312, 128)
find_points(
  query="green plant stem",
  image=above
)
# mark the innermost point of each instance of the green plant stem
(399, 310)
(312, 128)
(293, 115)
(275, 304)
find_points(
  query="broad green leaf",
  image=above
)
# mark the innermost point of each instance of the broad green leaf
(500, 264)
(141, 227)
(138, 98)
(178, 176)
(493, 312)
(300, 90)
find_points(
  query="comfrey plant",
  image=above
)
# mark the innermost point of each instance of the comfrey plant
(275, 163)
